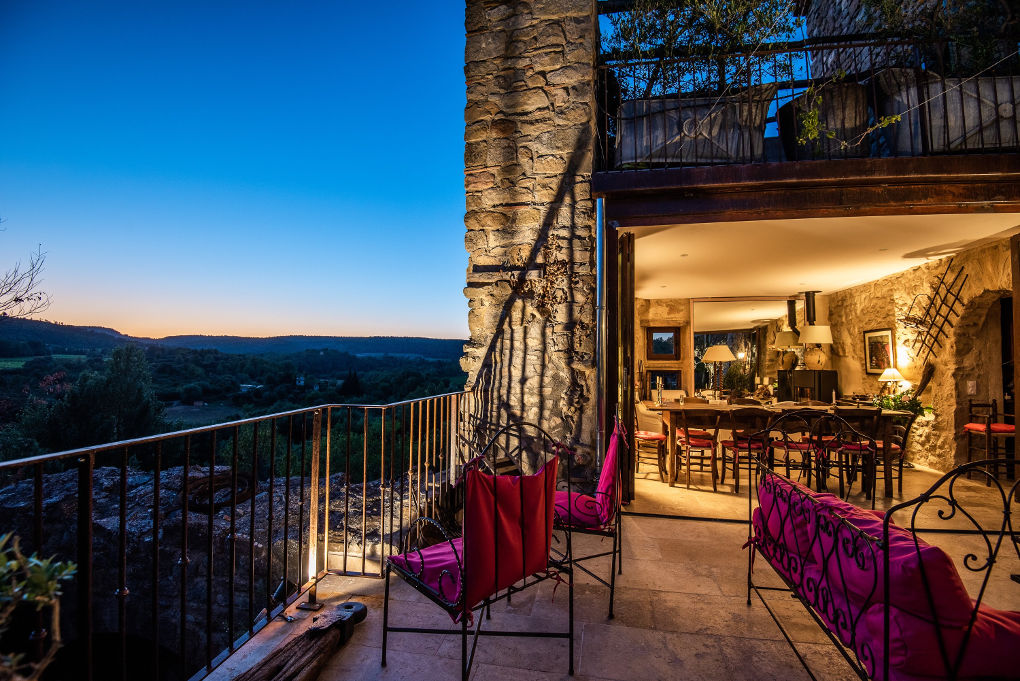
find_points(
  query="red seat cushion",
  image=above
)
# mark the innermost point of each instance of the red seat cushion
(648, 435)
(892, 447)
(793, 446)
(437, 566)
(698, 443)
(743, 444)
(577, 510)
(995, 427)
(693, 432)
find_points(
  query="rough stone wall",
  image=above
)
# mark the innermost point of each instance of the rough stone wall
(663, 312)
(970, 353)
(529, 122)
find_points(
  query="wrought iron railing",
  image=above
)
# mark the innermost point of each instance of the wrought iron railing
(831, 98)
(188, 543)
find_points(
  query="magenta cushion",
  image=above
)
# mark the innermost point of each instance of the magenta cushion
(785, 512)
(442, 566)
(577, 510)
(991, 652)
(841, 616)
(863, 577)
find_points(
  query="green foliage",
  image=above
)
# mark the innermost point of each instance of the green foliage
(693, 43)
(904, 401)
(957, 37)
(117, 403)
(737, 379)
(35, 582)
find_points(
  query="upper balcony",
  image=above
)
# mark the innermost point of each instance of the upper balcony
(824, 99)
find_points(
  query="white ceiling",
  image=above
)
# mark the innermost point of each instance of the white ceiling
(784, 257)
(713, 316)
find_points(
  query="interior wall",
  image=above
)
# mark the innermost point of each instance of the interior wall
(664, 312)
(878, 304)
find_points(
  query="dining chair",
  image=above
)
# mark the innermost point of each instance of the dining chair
(792, 443)
(984, 432)
(696, 441)
(649, 440)
(848, 453)
(897, 432)
(744, 422)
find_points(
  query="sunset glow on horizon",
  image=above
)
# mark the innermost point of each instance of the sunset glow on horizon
(242, 169)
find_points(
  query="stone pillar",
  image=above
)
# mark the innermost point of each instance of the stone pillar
(529, 67)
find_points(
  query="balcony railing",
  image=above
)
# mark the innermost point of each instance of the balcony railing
(816, 99)
(188, 543)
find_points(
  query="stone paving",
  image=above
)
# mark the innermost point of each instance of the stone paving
(681, 610)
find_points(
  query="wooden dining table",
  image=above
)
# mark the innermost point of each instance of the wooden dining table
(670, 410)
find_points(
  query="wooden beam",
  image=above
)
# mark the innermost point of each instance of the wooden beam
(852, 187)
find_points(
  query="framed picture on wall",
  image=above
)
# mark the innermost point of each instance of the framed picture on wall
(879, 351)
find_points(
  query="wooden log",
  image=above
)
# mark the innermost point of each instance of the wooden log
(303, 657)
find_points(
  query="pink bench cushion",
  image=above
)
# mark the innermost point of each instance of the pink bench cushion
(910, 560)
(577, 510)
(784, 510)
(442, 565)
(991, 652)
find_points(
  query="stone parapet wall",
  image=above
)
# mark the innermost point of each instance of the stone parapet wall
(530, 219)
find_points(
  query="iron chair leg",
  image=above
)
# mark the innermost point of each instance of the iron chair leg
(385, 614)
(463, 649)
(612, 575)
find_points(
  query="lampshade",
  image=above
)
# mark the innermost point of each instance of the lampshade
(816, 334)
(785, 339)
(718, 353)
(890, 375)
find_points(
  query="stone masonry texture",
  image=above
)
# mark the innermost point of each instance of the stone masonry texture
(529, 70)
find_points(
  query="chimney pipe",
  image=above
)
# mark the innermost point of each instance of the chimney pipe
(809, 307)
(791, 315)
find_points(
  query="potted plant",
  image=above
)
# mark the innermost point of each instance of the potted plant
(691, 89)
(958, 89)
(829, 120)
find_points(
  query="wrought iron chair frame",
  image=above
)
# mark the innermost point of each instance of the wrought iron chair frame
(613, 531)
(488, 457)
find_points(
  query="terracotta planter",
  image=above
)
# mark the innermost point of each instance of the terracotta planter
(693, 131)
(843, 111)
(951, 114)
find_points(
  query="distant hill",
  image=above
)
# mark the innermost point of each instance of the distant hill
(82, 339)
(437, 348)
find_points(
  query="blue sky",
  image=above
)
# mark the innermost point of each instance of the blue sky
(252, 168)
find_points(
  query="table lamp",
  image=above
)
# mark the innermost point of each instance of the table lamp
(892, 379)
(717, 354)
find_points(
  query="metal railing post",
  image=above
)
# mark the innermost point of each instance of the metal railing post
(313, 516)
